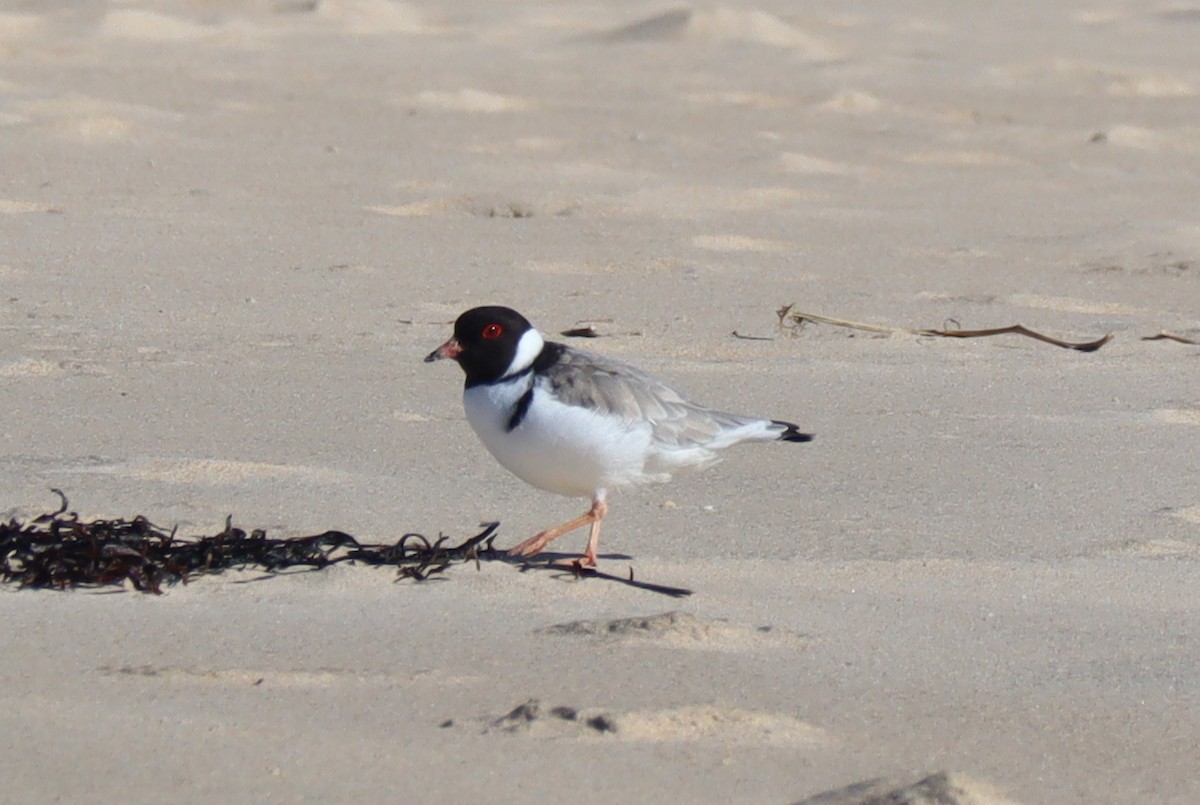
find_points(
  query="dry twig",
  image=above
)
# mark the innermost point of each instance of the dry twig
(798, 318)
(1163, 335)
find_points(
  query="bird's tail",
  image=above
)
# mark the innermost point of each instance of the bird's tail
(736, 429)
(791, 433)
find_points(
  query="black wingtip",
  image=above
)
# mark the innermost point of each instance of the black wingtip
(792, 432)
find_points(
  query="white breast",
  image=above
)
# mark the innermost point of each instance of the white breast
(558, 447)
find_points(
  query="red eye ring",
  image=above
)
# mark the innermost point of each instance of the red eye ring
(492, 332)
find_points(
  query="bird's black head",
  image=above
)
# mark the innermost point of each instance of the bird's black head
(490, 343)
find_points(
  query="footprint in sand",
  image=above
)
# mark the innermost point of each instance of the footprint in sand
(711, 722)
(944, 788)
(724, 725)
(681, 630)
(721, 24)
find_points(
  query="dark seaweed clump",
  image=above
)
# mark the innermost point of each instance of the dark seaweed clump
(58, 550)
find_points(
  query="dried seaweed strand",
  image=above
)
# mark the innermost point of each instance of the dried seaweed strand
(1085, 346)
(58, 550)
(799, 319)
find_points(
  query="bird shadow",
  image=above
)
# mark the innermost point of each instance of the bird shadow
(568, 566)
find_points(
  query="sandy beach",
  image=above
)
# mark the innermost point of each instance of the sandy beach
(233, 228)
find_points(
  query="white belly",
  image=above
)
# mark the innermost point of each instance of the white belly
(560, 448)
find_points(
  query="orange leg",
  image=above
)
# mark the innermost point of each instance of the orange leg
(538, 542)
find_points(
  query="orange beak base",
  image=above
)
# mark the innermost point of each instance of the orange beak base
(451, 349)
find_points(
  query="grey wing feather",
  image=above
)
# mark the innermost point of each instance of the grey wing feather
(610, 386)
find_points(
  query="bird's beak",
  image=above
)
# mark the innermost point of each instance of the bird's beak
(451, 349)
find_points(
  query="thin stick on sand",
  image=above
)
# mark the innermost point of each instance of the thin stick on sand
(785, 313)
(1163, 335)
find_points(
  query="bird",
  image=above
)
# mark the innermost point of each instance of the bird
(580, 424)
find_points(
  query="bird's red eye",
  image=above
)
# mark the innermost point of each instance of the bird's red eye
(492, 331)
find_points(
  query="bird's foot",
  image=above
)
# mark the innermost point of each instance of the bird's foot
(579, 565)
(534, 545)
